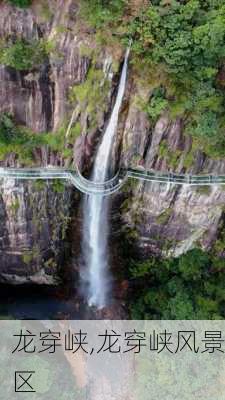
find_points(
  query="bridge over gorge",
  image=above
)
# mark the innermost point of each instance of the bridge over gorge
(110, 186)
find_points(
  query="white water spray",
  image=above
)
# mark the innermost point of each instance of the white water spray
(95, 229)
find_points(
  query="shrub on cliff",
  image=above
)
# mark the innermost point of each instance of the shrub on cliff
(8, 131)
(24, 55)
(18, 140)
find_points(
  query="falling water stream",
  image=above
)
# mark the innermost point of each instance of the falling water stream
(96, 275)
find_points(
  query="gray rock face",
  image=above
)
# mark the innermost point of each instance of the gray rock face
(39, 98)
(34, 220)
(28, 96)
(171, 219)
(166, 219)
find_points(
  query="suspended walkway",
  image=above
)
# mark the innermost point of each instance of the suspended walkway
(111, 186)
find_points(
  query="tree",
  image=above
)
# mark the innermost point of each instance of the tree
(189, 287)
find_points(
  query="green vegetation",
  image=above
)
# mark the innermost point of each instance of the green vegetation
(185, 40)
(58, 142)
(24, 55)
(45, 11)
(102, 13)
(204, 190)
(157, 104)
(178, 48)
(23, 142)
(91, 95)
(39, 185)
(21, 3)
(27, 257)
(171, 156)
(15, 206)
(164, 216)
(18, 140)
(189, 287)
(50, 264)
(58, 186)
(185, 36)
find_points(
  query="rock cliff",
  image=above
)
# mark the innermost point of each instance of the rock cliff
(34, 222)
(79, 76)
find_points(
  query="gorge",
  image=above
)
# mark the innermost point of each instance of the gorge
(78, 69)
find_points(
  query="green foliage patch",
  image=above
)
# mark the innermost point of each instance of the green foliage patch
(186, 36)
(185, 42)
(100, 13)
(18, 140)
(24, 55)
(189, 287)
(90, 95)
(23, 142)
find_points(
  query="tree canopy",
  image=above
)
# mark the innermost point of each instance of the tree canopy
(189, 287)
(183, 44)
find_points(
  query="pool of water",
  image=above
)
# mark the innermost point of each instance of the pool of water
(38, 302)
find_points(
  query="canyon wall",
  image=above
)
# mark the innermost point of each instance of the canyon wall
(33, 226)
(164, 218)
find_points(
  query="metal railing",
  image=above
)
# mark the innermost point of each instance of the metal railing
(112, 185)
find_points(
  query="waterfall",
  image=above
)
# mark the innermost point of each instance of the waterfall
(96, 275)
